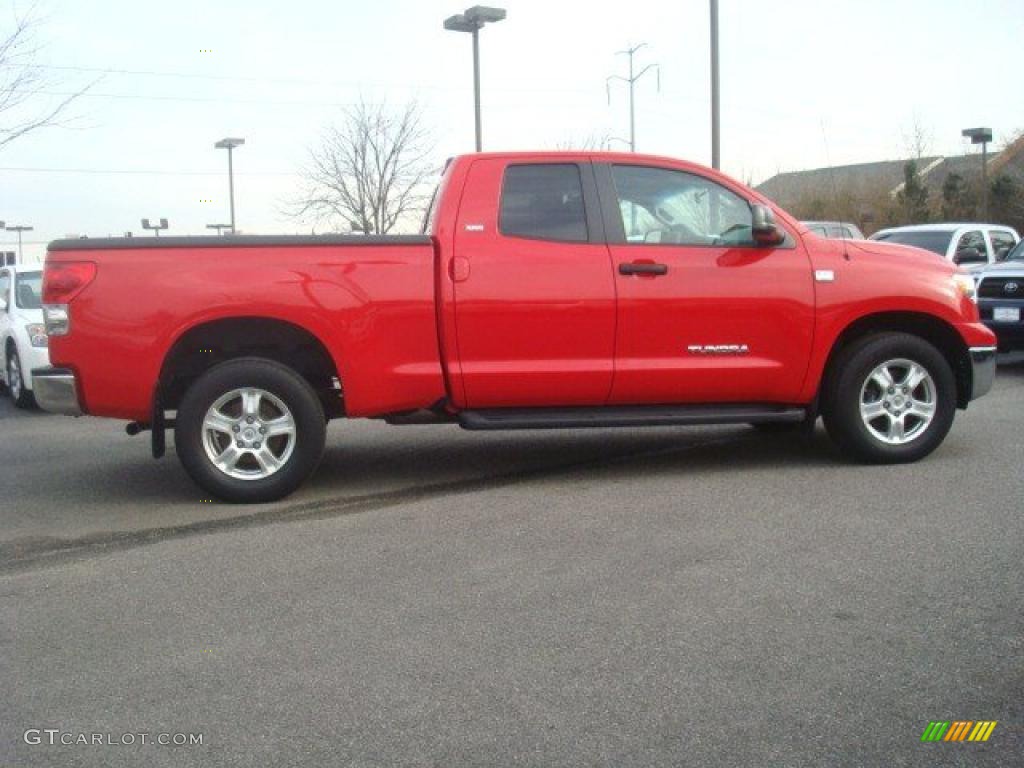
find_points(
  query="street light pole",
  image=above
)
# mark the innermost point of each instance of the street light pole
(631, 82)
(981, 136)
(19, 228)
(476, 90)
(229, 145)
(472, 20)
(155, 227)
(716, 159)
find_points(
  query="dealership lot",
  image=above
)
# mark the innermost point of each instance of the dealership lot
(436, 597)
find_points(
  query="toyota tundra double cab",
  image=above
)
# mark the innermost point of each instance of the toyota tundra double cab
(546, 290)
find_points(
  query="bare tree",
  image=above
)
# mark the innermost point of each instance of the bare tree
(24, 105)
(589, 143)
(370, 172)
(918, 139)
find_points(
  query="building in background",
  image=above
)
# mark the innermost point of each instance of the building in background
(875, 195)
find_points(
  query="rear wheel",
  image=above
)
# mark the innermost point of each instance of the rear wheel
(892, 399)
(22, 397)
(250, 430)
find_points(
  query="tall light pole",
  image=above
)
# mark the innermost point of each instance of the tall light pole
(472, 20)
(981, 136)
(716, 149)
(229, 145)
(155, 227)
(19, 228)
(631, 82)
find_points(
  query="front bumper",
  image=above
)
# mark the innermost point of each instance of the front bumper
(31, 359)
(56, 391)
(983, 370)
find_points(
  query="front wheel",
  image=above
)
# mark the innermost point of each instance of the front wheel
(892, 399)
(22, 397)
(250, 430)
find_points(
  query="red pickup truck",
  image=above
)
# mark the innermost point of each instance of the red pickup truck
(547, 290)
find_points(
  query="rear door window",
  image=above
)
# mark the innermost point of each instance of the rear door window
(543, 202)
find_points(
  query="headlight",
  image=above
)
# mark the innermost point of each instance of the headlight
(964, 285)
(37, 334)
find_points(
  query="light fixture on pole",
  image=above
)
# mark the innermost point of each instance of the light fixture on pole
(219, 227)
(155, 227)
(981, 136)
(19, 228)
(229, 145)
(472, 20)
(631, 82)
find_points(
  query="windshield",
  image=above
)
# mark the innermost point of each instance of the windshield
(937, 242)
(1017, 254)
(29, 291)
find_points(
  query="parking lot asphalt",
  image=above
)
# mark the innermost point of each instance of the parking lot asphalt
(707, 597)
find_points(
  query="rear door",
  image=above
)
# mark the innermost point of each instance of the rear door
(704, 314)
(533, 286)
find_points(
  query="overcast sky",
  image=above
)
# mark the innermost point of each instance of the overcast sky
(804, 84)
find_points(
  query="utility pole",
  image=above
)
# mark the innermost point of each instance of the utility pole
(19, 228)
(631, 81)
(716, 149)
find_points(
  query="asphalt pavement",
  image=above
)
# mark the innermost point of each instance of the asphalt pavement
(704, 597)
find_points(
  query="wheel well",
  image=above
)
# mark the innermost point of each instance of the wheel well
(204, 346)
(928, 327)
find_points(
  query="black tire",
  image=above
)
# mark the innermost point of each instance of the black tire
(23, 398)
(847, 380)
(279, 382)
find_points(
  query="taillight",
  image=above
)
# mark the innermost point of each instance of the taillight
(63, 280)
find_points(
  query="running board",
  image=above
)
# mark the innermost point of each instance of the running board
(627, 416)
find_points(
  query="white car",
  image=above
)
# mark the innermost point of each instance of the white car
(972, 246)
(22, 333)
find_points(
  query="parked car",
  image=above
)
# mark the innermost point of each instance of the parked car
(1001, 300)
(22, 333)
(548, 290)
(842, 230)
(971, 246)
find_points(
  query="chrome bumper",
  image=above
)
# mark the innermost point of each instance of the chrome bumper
(983, 370)
(56, 391)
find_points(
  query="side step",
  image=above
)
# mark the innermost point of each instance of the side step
(628, 416)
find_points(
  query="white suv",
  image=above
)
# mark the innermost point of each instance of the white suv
(972, 246)
(22, 334)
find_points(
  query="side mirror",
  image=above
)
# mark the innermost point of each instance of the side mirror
(969, 256)
(763, 227)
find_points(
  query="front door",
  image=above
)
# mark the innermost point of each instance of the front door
(704, 314)
(533, 285)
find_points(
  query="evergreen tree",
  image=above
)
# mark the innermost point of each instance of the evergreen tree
(913, 198)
